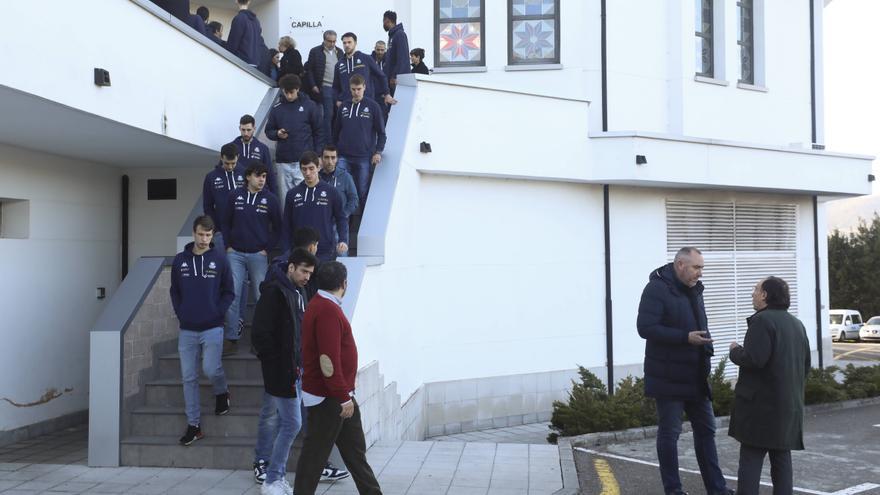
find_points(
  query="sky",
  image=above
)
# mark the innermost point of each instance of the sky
(852, 94)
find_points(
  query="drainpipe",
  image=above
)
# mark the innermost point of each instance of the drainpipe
(818, 286)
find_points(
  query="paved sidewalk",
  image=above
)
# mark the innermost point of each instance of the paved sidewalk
(416, 468)
(535, 433)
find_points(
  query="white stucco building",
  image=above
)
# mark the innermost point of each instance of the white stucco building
(576, 145)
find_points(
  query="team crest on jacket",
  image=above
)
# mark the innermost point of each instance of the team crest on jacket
(358, 60)
(300, 109)
(212, 265)
(298, 195)
(184, 265)
(218, 180)
(239, 198)
(263, 201)
(367, 110)
(323, 194)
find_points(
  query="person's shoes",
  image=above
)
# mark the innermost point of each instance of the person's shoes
(287, 488)
(192, 434)
(260, 468)
(678, 492)
(332, 473)
(726, 491)
(273, 488)
(222, 402)
(240, 326)
(230, 347)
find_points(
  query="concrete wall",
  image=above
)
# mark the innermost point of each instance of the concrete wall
(155, 223)
(49, 302)
(162, 81)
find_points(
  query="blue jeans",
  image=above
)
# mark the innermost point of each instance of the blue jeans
(703, 425)
(289, 176)
(328, 105)
(253, 265)
(219, 245)
(359, 168)
(210, 344)
(278, 432)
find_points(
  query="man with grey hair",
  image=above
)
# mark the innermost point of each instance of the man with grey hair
(318, 84)
(672, 320)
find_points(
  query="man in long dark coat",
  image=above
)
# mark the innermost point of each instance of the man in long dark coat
(768, 412)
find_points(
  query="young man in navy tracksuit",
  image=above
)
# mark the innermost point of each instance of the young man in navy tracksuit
(397, 56)
(226, 177)
(295, 124)
(360, 136)
(251, 226)
(356, 62)
(342, 182)
(245, 35)
(315, 204)
(201, 293)
(249, 147)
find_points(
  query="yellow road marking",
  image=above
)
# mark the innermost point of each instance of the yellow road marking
(609, 482)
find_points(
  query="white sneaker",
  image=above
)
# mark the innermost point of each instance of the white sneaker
(287, 488)
(274, 488)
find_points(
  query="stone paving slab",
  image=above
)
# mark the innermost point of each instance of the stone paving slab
(534, 433)
(418, 468)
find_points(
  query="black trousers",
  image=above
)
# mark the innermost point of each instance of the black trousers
(327, 428)
(751, 461)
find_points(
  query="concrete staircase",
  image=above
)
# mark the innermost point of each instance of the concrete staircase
(229, 440)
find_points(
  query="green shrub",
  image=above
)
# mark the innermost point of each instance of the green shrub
(861, 382)
(632, 407)
(822, 387)
(722, 391)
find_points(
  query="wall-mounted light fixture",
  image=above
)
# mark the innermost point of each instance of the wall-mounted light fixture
(102, 77)
(425, 147)
(641, 160)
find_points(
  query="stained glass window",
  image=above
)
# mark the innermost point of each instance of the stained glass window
(533, 37)
(704, 38)
(458, 29)
(746, 40)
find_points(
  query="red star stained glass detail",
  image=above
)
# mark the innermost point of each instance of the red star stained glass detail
(459, 41)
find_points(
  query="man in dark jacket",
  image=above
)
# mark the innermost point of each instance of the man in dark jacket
(251, 227)
(245, 35)
(249, 147)
(226, 177)
(768, 412)
(201, 292)
(398, 49)
(276, 338)
(342, 182)
(357, 62)
(672, 319)
(360, 136)
(215, 33)
(319, 79)
(295, 124)
(417, 60)
(379, 56)
(315, 204)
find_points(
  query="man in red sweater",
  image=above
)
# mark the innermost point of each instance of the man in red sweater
(329, 356)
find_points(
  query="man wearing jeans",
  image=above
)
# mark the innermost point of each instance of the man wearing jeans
(201, 293)
(251, 225)
(672, 319)
(319, 79)
(277, 341)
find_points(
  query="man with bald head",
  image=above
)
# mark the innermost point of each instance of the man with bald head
(672, 320)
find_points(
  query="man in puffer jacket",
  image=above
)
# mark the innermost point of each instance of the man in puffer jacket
(672, 319)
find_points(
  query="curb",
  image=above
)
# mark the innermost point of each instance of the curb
(570, 483)
(633, 434)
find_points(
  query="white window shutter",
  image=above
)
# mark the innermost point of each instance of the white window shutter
(741, 243)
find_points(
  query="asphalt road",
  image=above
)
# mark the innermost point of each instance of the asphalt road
(856, 351)
(842, 458)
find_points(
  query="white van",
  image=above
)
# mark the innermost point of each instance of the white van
(845, 324)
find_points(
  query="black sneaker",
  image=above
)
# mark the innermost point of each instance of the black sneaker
(192, 434)
(222, 404)
(332, 473)
(260, 468)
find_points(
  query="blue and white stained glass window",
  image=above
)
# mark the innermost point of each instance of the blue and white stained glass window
(458, 32)
(534, 32)
(460, 9)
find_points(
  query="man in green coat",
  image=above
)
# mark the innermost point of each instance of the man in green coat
(768, 413)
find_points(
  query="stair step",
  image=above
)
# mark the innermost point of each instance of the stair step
(239, 422)
(168, 392)
(241, 366)
(234, 452)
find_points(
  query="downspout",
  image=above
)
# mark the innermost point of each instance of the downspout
(609, 321)
(124, 235)
(814, 125)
